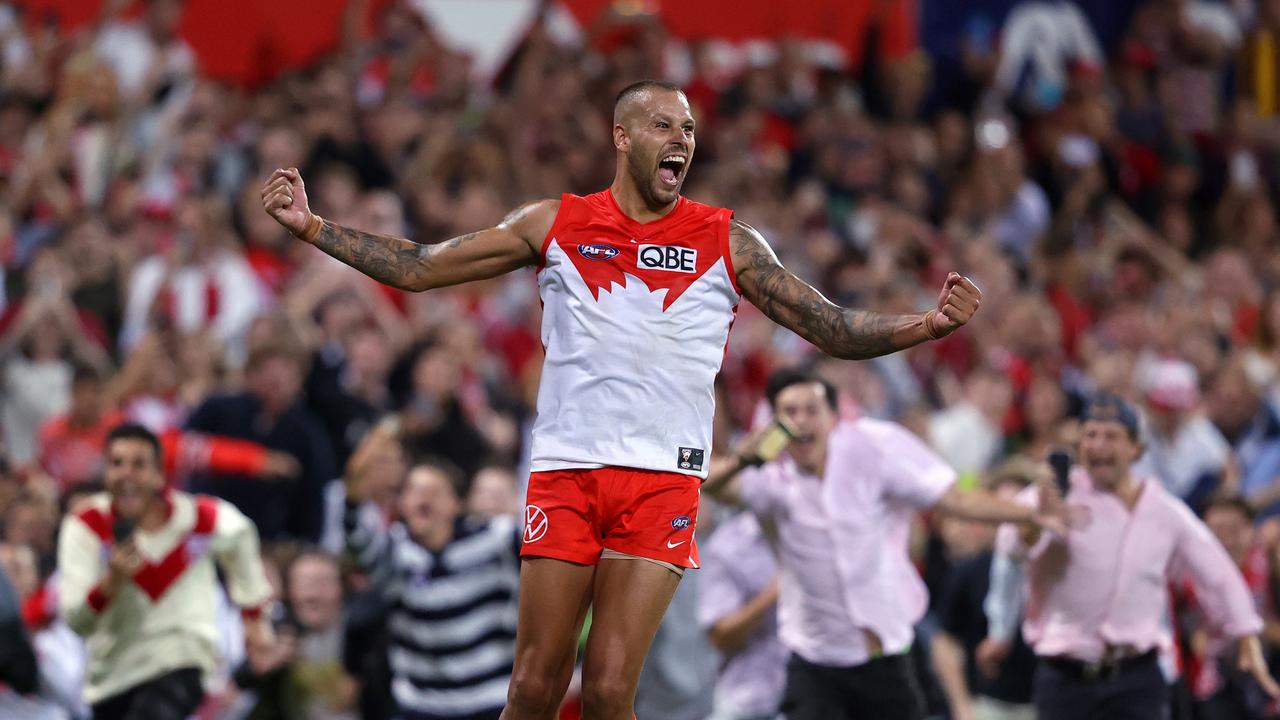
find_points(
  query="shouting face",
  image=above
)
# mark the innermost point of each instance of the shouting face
(654, 133)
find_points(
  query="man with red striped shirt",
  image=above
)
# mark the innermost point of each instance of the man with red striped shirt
(137, 580)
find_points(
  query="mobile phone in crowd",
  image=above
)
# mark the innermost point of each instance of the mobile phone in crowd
(775, 439)
(122, 529)
(1060, 460)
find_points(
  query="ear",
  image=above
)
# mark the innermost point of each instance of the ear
(621, 140)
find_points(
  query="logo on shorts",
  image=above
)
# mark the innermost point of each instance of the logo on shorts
(689, 458)
(598, 251)
(681, 522)
(535, 523)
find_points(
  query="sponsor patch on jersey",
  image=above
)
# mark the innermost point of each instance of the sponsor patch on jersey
(671, 258)
(689, 459)
(680, 523)
(598, 251)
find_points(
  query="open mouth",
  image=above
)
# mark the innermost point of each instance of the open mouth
(670, 168)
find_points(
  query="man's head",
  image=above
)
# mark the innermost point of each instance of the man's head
(86, 397)
(1109, 440)
(653, 134)
(431, 498)
(314, 585)
(1172, 390)
(1231, 521)
(134, 475)
(18, 562)
(493, 492)
(1235, 397)
(274, 374)
(809, 405)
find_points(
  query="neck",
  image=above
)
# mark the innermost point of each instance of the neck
(154, 517)
(816, 467)
(633, 204)
(437, 537)
(1127, 490)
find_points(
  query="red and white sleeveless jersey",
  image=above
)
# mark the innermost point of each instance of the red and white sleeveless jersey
(635, 321)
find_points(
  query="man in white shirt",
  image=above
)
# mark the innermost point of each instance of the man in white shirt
(137, 580)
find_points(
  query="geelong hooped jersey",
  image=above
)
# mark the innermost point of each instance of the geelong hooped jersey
(635, 321)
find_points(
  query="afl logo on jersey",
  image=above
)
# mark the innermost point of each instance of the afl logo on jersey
(680, 523)
(667, 257)
(598, 251)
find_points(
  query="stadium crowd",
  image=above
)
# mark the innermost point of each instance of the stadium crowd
(1117, 205)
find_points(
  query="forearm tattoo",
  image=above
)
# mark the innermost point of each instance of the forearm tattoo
(789, 301)
(394, 261)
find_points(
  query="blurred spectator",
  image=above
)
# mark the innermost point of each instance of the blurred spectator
(302, 676)
(1041, 42)
(894, 476)
(201, 282)
(37, 349)
(434, 419)
(270, 413)
(150, 623)
(737, 608)
(60, 653)
(449, 586)
(1240, 409)
(976, 691)
(493, 493)
(969, 433)
(71, 445)
(18, 669)
(1220, 689)
(1184, 450)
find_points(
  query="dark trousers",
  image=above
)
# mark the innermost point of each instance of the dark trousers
(1135, 693)
(883, 689)
(172, 696)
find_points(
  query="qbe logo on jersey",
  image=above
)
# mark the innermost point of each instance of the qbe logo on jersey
(667, 257)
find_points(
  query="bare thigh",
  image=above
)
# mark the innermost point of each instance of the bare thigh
(630, 598)
(554, 597)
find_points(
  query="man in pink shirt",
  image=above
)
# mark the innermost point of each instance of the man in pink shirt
(1098, 593)
(839, 506)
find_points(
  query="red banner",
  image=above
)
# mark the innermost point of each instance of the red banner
(247, 41)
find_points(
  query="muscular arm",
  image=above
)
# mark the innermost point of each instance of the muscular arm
(513, 243)
(838, 331)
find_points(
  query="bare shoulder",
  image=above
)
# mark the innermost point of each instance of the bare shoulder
(532, 221)
(750, 249)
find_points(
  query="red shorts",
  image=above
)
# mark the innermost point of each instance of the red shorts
(575, 515)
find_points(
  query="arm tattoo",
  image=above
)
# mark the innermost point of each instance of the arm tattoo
(394, 261)
(789, 301)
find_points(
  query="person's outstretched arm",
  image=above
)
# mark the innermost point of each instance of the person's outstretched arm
(514, 243)
(838, 331)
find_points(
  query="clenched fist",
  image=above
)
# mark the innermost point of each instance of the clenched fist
(957, 303)
(284, 197)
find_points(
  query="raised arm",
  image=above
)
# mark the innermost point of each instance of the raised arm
(514, 243)
(838, 331)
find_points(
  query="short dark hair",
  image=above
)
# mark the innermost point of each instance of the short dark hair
(640, 86)
(458, 481)
(273, 350)
(1110, 407)
(782, 379)
(134, 431)
(1230, 502)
